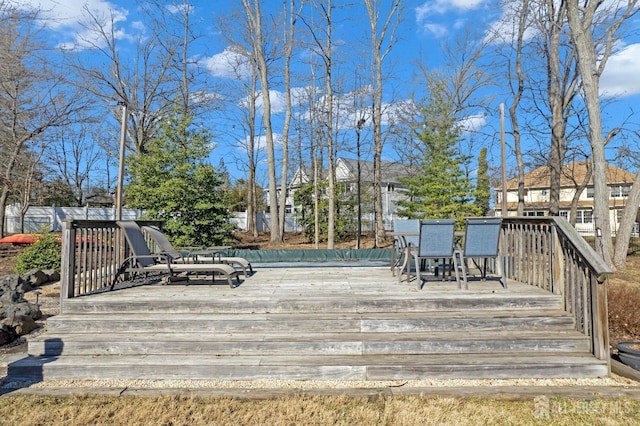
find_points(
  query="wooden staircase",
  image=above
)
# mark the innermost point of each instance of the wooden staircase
(312, 324)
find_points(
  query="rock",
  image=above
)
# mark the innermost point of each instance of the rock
(35, 277)
(24, 308)
(9, 283)
(14, 305)
(53, 275)
(24, 287)
(22, 324)
(7, 334)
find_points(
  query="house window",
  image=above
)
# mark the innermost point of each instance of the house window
(543, 192)
(534, 213)
(619, 191)
(584, 216)
(564, 213)
(589, 191)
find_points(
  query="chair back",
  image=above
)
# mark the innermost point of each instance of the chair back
(409, 226)
(436, 238)
(161, 240)
(137, 243)
(482, 236)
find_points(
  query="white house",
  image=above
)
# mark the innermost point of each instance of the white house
(536, 194)
(347, 174)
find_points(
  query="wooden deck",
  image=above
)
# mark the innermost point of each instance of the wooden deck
(320, 323)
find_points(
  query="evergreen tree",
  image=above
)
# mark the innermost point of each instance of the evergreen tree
(172, 182)
(441, 190)
(483, 186)
(345, 222)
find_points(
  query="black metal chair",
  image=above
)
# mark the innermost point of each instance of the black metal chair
(481, 242)
(435, 242)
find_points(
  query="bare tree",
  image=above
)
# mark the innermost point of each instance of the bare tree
(382, 38)
(592, 58)
(323, 48)
(259, 55)
(33, 95)
(146, 84)
(290, 17)
(517, 89)
(75, 158)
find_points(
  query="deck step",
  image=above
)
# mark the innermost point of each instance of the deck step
(313, 324)
(307, 344)
(309, 323)
(179, 303)
(368, 367)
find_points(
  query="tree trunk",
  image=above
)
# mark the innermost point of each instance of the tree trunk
(584, 44)
(254, 16)
(379, 36)
(625, 228)
(289, 35)
(513, 108)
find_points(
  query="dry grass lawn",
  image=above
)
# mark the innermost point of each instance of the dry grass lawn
(312, 410)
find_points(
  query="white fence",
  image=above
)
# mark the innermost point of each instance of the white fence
(39, 219)
(50, 219)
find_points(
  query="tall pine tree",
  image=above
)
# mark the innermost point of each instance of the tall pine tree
(483, 185)
(441, 189)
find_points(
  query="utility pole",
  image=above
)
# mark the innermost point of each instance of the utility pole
(123, 133)
(503, 152)
(359, 178)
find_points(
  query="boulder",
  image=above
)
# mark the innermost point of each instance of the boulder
(7, 334)
(22, 324)
(35, 277)
(19, 314)
(53, 275)
(24, 308)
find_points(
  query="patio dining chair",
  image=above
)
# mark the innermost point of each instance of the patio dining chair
(481, 242)
(188, 256)
(405, 241)
(142, 261)
(435, 242)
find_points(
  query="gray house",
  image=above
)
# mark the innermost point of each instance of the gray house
(347, 175)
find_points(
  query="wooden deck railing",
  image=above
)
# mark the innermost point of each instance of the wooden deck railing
(544, 252)
(547, 252)
(92, 252)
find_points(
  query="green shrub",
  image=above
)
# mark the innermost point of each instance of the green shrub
(43, 254)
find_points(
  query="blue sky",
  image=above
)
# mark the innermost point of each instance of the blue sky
(425, 26)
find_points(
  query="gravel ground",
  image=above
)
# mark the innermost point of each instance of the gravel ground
(314, 384)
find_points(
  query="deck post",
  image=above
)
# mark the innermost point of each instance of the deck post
(67, 267)
(558, 264)
(600, 314)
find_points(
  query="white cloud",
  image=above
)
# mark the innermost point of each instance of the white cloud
(227, 64)
(440, 7)
(426, 19)
(70, 18)
(472, 123)
(620, 77)
(277, 100)
(438, 30)
(260, 143)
